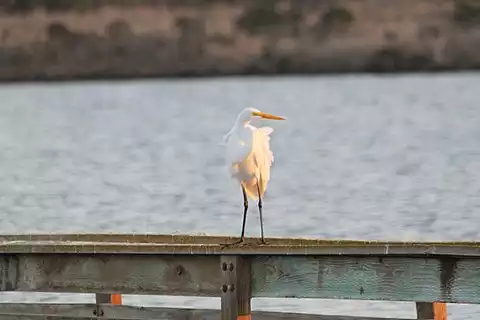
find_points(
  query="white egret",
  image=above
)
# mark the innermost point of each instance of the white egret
(249, 158)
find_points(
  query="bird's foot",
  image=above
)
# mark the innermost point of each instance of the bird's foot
(225, 245)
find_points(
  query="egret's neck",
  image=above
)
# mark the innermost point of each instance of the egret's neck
(238, 128)
(241, 123)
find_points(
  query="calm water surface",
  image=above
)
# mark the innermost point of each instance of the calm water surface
(393, 158)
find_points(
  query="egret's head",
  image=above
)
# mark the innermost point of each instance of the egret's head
(249, 113)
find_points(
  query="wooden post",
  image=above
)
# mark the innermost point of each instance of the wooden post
(236, 288)
(100, 298)
(440, 310)
(435, 311)
(114, 298)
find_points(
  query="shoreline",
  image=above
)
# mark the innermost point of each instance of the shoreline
(127, 78)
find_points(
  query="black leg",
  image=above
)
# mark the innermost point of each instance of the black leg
(245, 209)
(260, 205)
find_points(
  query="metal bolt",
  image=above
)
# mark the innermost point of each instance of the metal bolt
(224, 288)
(231, 287)
(179, 270)
(95, 312)
(224, 266)
(230, 266)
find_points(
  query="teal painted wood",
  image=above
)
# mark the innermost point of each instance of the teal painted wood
(101, 273)
(367, 278)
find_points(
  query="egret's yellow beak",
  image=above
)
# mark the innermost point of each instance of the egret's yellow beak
(267, 116)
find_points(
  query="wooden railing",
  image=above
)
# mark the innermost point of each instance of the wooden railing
(429, 274)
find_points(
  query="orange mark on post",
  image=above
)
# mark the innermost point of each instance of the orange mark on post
(245, 317)
(440, 311)
(116, 298)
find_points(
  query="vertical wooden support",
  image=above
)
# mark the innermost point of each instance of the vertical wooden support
(114, 298)
(440, 310)
(236, 288)
(435, 311)
(100, 298)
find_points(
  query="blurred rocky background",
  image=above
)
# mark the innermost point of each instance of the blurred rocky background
(59, 39)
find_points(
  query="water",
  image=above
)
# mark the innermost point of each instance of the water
(393, 158)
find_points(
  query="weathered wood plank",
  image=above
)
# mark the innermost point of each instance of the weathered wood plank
(188, 244)
(205, 239)
(374, 278)
(139, 274)
(68, 311)
(48, 309)
(41, 317)
(393, 278)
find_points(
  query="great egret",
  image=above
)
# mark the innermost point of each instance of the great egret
(249, 158)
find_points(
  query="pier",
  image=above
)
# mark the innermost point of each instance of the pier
(428, 274)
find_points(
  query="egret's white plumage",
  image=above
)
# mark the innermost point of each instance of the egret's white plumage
(248, 152)
(249, 157)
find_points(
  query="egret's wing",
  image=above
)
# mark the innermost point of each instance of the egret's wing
(266, 144)
(263, 156)
(237, 149)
